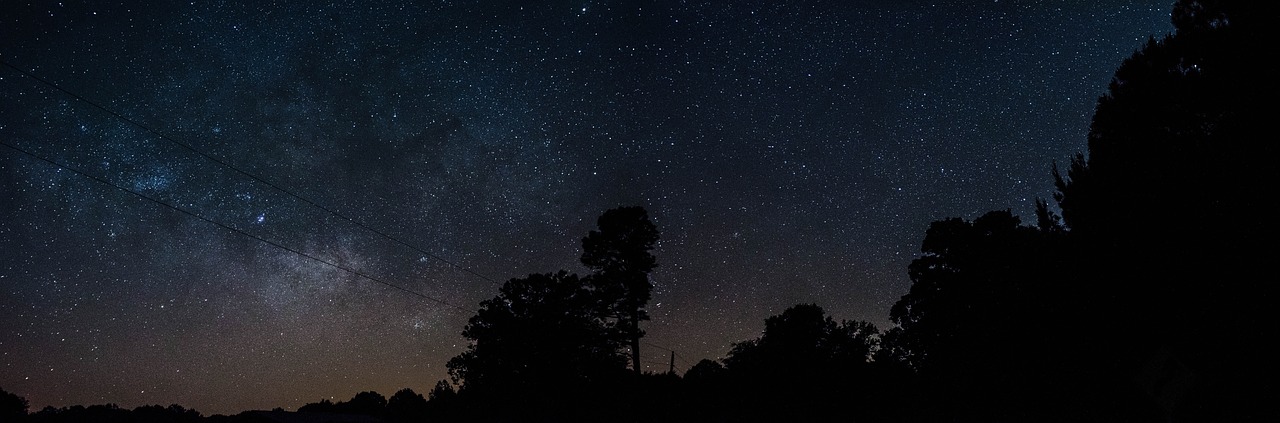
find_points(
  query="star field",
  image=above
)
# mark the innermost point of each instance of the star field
(788, 153)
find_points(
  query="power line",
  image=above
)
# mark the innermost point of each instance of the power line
(264, 240)
(678, 357)
(656, 346)
(209, 157)
(258, 179)
(231, 228)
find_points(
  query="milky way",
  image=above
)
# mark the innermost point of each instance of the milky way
(788, 153)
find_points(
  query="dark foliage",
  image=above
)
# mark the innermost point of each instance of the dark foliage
(368, 403)
(996, 327)
(619, 254)
(550, 343)
(1170, 211)
(704, 370)
(111, 413)
(805, 366)
(810, 341)
(12, 407)
(443, 402)
(539, 339)
(1141, 302)
(324, 406)
(541, 329)
(406, 405)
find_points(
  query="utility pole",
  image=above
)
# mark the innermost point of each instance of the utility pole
(672, 369)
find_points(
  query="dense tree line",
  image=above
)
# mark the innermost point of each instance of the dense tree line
(1139, 294)
(14, 408)
(1141, 300)
(550, 337)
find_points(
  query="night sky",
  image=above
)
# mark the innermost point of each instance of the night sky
(789, 153)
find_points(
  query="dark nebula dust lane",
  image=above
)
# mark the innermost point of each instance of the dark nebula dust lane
(788, 153)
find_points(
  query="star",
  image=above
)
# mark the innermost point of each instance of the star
(789, 153)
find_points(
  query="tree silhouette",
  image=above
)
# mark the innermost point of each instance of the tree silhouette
(79, 413)
(368, 403)
(541, 337)
(806, 338)
(548, 347)
(111, 413)
(990, 302)
(443, 403)
(12, 407)
(618, 252)
(160, 414)
(1205, 15)
(704, 370)
(1174, 187)
(406, 405)
(966, 288)
(443, 391)
(323, 406)
(804, 366)
(1104, 312)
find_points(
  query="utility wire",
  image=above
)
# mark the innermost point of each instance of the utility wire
(264, 240)
(231, 228)
(679, 357)
(657, 346)
(209, 157)
(258, 179)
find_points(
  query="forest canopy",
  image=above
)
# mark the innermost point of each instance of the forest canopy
(1135, 295)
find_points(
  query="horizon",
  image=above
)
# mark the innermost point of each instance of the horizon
(786, 154)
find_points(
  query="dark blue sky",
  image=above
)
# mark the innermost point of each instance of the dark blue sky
(789, 152)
